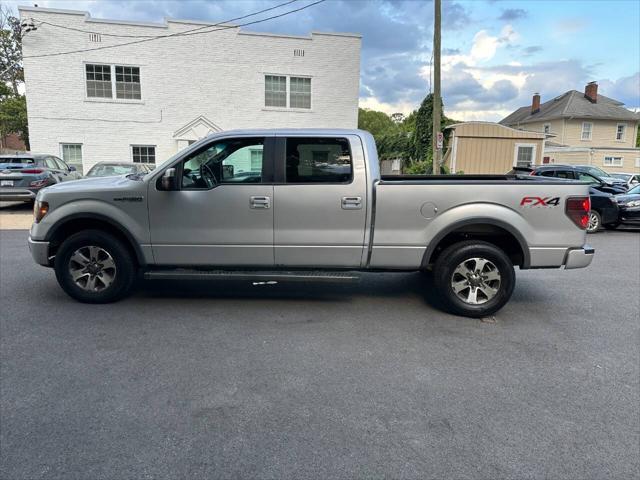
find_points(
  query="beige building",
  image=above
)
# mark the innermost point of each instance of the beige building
(485, 147)
(588, 128)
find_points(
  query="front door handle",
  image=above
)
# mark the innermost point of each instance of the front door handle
(351, 203)
(260, 202)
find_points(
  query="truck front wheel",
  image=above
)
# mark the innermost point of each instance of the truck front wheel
(94, 267)
(474, 278)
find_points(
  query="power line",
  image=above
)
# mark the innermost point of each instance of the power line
(42, 22)
(186, 33)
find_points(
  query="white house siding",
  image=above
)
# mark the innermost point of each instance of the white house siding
(191, 85)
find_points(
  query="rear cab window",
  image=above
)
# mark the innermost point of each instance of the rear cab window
(318, 160)
(17, 160)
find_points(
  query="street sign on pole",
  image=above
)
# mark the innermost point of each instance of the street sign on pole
(440, 141)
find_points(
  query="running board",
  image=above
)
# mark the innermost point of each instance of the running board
(257, 275)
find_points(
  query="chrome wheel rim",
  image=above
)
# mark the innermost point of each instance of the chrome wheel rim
(92, 268)
(593, 222)
(476, 281)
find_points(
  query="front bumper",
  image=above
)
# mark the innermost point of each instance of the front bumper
(579, 257)
(39, 252)
(17, 195)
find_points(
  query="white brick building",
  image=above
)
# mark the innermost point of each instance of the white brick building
(148, 100)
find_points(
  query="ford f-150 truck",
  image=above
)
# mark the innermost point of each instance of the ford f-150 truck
(306, 205)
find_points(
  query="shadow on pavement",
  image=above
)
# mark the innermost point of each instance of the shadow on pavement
(371, 285)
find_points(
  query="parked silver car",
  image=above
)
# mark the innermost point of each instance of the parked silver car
(113, 169)
(23, 175)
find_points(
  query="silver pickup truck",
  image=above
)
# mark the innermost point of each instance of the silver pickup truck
(306, 205)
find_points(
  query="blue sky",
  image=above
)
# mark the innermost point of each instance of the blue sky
(495, 53)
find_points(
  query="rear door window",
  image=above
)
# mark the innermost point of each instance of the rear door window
(51, 163)
(318, 160)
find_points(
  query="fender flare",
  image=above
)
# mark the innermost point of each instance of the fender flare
(526, 260)
(102, 218)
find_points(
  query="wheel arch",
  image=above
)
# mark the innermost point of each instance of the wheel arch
(77, 222)
(488, 229)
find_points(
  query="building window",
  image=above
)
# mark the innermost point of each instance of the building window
(638, 162)
(547, 128)
(98, 81)
(612, 161)
(128, 82)
(275, 91)
(143, 153)
(103, 80)
(279, 88)
(300, 92)
(525, 155)
(72, 154)
(587, 127)
(620, 129)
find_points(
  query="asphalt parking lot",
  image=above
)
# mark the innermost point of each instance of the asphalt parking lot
(229, 380)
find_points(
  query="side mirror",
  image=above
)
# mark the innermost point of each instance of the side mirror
(168, 181)
(72, 168)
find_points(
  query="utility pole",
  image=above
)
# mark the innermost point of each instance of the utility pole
(437, 134)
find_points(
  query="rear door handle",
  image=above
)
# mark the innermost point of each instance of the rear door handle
(260, 202)
(351, 203)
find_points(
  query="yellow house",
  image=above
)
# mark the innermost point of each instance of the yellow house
(485, 147)
(589, 129)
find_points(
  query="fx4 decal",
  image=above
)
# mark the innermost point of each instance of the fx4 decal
(540, 202)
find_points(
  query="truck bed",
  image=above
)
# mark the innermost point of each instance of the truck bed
(417, 179)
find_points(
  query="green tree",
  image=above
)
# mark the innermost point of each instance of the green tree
(10, 50)
(13, 106)
(13, 117)
(376, 123)
(423, 132)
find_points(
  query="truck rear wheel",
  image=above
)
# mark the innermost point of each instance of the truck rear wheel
(94, 267)
(474, 278)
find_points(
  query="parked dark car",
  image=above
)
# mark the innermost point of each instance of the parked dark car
(113, 169)
(604, 210)
(629, 205)
(597, 177)
(23, 175)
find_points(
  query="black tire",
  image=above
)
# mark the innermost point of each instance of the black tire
(459, 253)
(611, 226)
(123, 273)
(595, 222)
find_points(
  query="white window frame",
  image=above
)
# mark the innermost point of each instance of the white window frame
(637, 162)
(583, 131)
(155, 151)
(113, 99)
(624, 132)
(533, 153)
(62, 145)
(612, 163)
(546, 128)
(287, 92)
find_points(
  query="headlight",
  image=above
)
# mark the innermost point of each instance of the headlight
(40, 209)
(635, 203)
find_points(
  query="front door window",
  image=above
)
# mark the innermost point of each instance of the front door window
(234, 160)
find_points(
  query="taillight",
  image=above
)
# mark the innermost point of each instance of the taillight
(532, 172)
(40, 183)
(31, 170)
(577, 209)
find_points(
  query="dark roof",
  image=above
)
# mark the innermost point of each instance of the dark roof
(572, 104)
